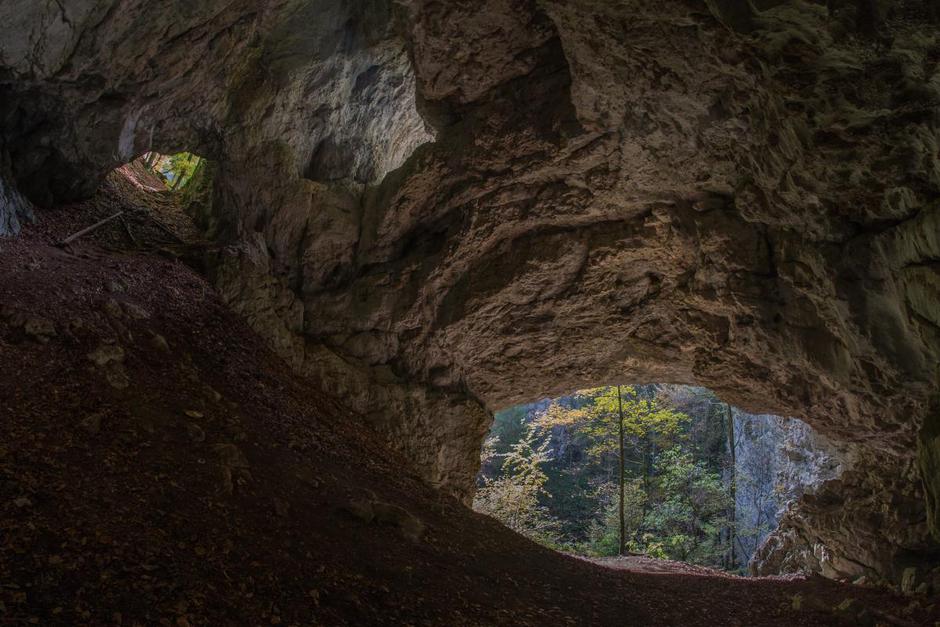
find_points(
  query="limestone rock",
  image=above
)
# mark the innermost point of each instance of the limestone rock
(113, 308)
(909, 580)
(379, 512)
(117, 377)
(14, 207)
(195, 432)
(159, 342)
(39, 328)
(116, 286)
(480, 204)
(233, 465)
(92, 424)
(106, 354)
(135, 311)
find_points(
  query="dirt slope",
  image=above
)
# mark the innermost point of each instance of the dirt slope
(159, 466)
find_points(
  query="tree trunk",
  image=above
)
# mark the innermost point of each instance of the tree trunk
(622, 545)
(731, 487)
(647, 471)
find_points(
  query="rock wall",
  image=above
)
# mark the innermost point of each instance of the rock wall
(91, 84)
(14, 208)
(807, 462)
(821, 532)
(444, 208)
(759, 493)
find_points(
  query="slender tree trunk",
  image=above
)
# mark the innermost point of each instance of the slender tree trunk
(732, 488)
(623, 527)
(196, 164)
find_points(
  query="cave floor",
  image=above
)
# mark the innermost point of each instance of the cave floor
(159, 465)
(643, 564)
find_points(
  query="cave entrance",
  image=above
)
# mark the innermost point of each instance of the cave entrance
(176, 171)
(704, 483)
(152, 203)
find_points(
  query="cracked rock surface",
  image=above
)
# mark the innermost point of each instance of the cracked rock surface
(441, 209)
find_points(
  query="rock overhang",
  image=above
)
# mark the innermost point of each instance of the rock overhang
(445, 208)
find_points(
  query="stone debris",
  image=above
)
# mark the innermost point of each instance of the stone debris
(107, 354)
(375, 511)
(909, 580)
(117, 376)
(159, 342)
(92, 424)
(113, 309)
(853, 611)
(195, 432)
(39, 328)
(135, 311)
(233, 465)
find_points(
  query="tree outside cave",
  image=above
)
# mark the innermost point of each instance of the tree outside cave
(664, 471)
(176, 170)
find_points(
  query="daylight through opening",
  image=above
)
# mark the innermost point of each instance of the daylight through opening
(632, 474)
(153, 203)
(176, 171)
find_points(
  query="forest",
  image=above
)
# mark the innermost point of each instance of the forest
(665, 471)
(175, 170)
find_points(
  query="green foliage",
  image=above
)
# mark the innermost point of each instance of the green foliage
(688, 510)
(509, 426)
(178, 169)
(603, 531)
(513, 497)
(681, 518)
(597, 416)
(610, 418)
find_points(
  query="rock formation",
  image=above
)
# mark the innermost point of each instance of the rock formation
(819, 532)
(439, 209)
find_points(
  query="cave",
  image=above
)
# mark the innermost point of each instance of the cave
(261, 398)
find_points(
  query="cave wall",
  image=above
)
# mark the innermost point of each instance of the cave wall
(440, 209)
(820, 531)
(91, 84)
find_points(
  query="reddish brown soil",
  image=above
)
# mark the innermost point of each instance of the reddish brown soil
(643, 564)
(215, 488)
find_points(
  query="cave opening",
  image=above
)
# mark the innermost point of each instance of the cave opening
(153, 203)
(703, 483)
(176, 171)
